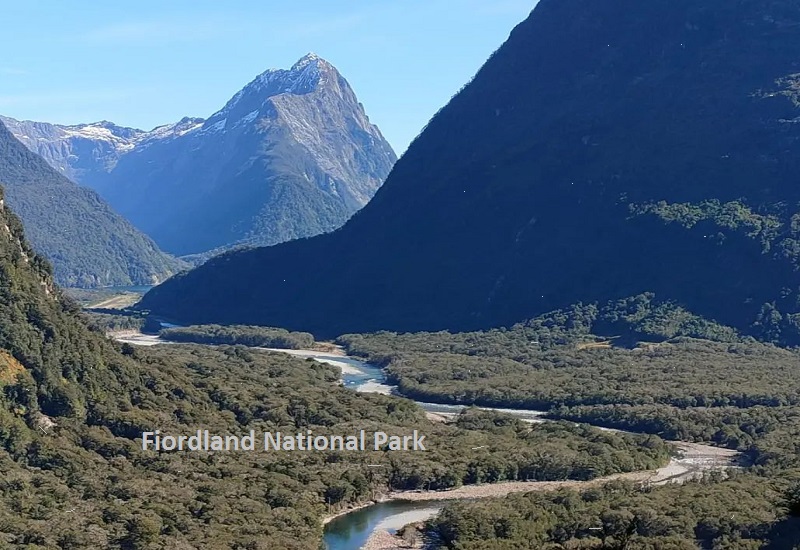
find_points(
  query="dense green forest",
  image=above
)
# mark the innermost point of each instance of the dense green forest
(240, 334)
(741, 513)
(267, 500)
(73, 403)
(636, 364)
(110, 322)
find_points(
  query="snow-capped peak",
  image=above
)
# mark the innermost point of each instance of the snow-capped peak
(306, 60)
(304, 77)
(301, 78)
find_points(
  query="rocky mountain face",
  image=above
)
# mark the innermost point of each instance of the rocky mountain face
(86, 153)
(87, 242)
(608, 148)
(291, 155)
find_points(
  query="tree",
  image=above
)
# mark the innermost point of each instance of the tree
(793, 500)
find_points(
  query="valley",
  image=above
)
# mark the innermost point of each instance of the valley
(88, 243)
(108, 298)
(566, 318)
(344, 531)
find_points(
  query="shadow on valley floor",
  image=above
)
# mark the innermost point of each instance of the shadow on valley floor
(784, 535)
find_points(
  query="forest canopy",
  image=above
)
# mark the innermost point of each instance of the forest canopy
(239, 334)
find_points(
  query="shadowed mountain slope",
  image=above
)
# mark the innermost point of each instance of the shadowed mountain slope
(608, 148)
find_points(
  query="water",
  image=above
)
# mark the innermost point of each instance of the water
(371, 379)
(136, 289)
(351, 531)
(356, 375)
(366, 374)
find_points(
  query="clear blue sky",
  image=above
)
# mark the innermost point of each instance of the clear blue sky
(149, 62)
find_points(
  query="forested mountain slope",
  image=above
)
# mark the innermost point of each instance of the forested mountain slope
(87, 242)
(608, 148)
(73, 406)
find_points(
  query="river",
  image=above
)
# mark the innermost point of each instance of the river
(352, 530)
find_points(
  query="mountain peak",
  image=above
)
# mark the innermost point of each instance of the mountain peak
(584, 145)
(291, 154)
(309, 63)
(304, 77)
(306, 60)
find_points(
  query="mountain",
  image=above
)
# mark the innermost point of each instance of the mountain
(608, 148)
(88, 243)
(87, 152)
(74, 405)
(291, 155)
(78, 471)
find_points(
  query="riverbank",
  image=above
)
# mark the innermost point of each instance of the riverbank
(330, 517)
(695, 460)
(334, 356)
(325, 352)
(136, 338)
(319, 349)
(383, 540)
(488, 490)
(373, 386)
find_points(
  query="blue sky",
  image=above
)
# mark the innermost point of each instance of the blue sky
(147, 63)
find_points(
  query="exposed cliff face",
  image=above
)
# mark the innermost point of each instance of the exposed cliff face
(87, 242)
(291, 155)
(607, 149)
(314, 106)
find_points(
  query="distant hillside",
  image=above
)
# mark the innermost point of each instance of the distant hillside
(291, 155)
(74, 407)
(86, 152)
(87, 242)
(609, 148)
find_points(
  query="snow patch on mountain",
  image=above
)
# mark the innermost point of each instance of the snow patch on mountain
(217, 126)
(249, 117)
(304, 77)
(285, 127)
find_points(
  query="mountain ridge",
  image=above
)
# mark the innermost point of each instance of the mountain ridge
(88, 243)
(61, 144)
(292, 154)
(541, 184)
